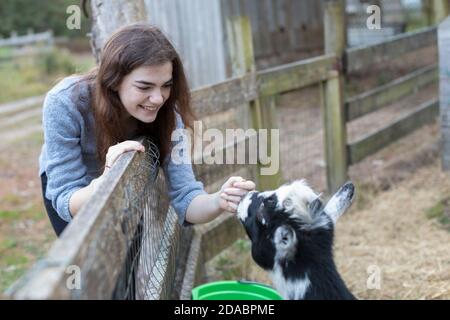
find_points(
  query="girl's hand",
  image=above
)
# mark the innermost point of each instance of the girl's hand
(232, 192)
(115, 151)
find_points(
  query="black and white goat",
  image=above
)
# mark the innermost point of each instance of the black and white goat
(292, 236)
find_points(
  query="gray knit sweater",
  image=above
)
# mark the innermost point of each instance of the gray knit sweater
(68, 156)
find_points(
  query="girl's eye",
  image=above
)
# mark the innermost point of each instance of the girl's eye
(140, 88)
(168, 85)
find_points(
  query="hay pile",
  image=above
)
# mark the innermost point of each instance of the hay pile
(394, 236)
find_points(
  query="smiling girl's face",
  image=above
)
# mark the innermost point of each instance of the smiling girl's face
(145, 90)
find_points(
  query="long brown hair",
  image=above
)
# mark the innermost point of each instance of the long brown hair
(131, 47)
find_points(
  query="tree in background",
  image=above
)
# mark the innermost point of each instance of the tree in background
(42, 15)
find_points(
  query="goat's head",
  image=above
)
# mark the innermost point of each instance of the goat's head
(289, 219)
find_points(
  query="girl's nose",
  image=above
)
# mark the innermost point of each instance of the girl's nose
(156, 97)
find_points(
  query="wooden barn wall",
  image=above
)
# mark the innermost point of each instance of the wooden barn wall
(283, 31)
(195, 28)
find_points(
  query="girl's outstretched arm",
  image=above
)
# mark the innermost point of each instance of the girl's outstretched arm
(206, 207)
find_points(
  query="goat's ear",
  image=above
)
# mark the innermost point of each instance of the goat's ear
(285, 241)
(340, 202)
(315, 206)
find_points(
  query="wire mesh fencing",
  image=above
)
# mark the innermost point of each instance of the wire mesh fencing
(149, 268)
(300, 122)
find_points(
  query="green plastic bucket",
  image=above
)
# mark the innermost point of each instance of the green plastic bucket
(234, 290)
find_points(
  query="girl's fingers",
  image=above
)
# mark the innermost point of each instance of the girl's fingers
(115, 151)
(233, 180)
(247, 185)
(232, 207)
(235, 199)
(129, 145)
(235, 192)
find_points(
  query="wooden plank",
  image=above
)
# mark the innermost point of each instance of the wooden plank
(97, 240)
(365, 56)
(440, 10)
(379, 97)
(335, 134)
(209, 240)
(444, 90)
(220, 234)
(373, 142)
(270, 121)
(333, 97)
(28, 39)
(295, 75)
(242, 89)
(225, 95)
(335, 27)
(206, 167)
(194, 267)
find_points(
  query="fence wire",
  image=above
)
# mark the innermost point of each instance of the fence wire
(300, 123)
(152, 233)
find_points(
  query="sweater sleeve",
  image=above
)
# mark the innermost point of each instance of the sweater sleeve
(65, 170)
(182, 185)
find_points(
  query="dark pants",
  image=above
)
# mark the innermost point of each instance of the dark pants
(58, 224)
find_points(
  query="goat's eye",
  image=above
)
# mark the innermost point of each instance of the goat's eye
(270, 202)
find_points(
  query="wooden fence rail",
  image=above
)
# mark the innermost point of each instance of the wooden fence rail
(28, 39)
(373, 142)
(379, 97)
(363, 57)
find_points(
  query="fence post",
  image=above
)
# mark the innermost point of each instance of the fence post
(334, 115)
(242, 59)
(440, 10)
(444, 90)
(270, 122)
(427, 11)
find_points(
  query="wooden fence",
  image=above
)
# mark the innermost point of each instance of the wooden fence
(379, 97)
(96, 240)
(29, 44)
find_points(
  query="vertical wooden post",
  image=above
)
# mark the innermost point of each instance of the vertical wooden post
(242, 59)
(427, 11)
(334, 113)
(335, 135)
(440, 10)
(444, 90)
(335, 27)
(270, 122)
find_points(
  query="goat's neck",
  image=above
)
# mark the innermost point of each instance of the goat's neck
(314, 279)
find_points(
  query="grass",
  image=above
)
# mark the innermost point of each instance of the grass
(25, 236)
(30, 76)
(9, 215)
(441, 212)
(18, 255)
(233, 263)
